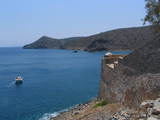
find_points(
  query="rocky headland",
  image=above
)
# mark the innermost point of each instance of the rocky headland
(130, 87)
(120, 39)
(135, 78)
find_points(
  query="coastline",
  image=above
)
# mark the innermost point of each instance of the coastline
(69, 110)
(89, 111)
(148, 110)
(72, 110)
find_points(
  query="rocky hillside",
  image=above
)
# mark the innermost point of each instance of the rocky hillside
(45, 42)
(120, 39)
(49, 43)
(135, 78)
(147, 110)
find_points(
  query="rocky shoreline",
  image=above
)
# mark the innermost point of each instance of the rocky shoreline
(148, 110)
(74, 110)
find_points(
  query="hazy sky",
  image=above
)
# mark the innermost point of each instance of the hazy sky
(24, 21)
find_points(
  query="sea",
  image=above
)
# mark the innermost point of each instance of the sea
(54, 81)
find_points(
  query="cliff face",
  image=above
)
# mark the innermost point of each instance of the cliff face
(135, 78)
(121, 39)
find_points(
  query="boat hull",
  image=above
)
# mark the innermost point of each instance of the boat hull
(19, 82)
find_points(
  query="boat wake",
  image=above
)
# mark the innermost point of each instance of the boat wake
(11, 84)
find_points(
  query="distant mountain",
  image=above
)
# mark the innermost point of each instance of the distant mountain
(49, 43)
(45, 42)
(120, 39)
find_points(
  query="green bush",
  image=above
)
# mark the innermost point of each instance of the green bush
(101, 103)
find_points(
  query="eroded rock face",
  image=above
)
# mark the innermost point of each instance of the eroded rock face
(135, 78)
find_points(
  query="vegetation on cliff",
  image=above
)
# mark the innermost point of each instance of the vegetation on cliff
(152, 12)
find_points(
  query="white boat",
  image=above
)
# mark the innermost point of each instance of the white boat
(19, 80)
(108, 54)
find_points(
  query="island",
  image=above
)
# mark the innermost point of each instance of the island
(120, 39)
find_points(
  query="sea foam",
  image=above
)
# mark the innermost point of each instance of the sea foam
(48, 116)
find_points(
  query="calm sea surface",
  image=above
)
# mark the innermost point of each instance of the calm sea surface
(54, 80)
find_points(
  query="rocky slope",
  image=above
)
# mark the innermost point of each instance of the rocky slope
(148, 110)
(135, 78)
(120, 39)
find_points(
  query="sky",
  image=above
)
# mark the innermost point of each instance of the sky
(24, 21)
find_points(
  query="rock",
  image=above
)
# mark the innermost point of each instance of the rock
(152, 118)
(147, 104)
(152, 109)
(142, 116)
(158, 99)
(76, 113)
(155, 112)
(113, 118)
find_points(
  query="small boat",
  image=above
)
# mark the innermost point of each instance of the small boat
(108, 54)
(75, 51)
(18, 80)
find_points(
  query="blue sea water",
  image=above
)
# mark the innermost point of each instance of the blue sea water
(54, 80)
